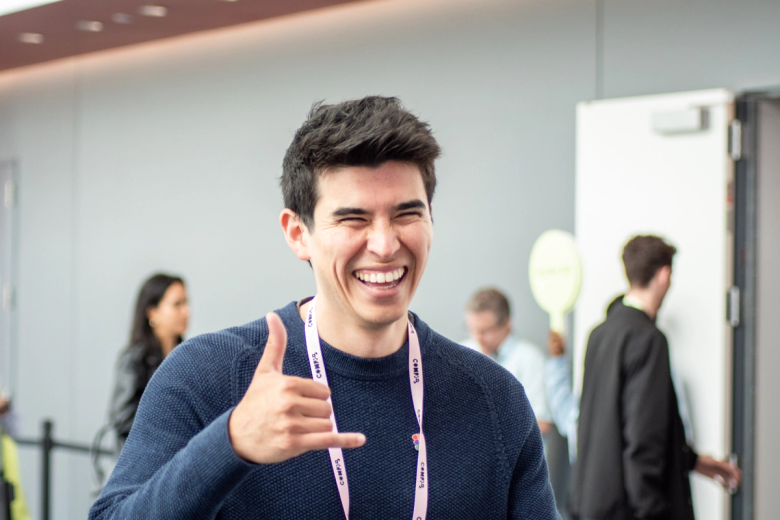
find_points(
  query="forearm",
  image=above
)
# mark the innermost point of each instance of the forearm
(564, 404)
(193, 484)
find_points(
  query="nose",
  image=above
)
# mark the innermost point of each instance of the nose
(383, 240)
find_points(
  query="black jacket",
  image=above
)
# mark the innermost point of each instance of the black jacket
(134, 369)
(633, 461)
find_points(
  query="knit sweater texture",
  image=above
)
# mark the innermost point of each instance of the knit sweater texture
(485, 455)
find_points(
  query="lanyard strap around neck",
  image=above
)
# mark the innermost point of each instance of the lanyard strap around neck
(317, 365)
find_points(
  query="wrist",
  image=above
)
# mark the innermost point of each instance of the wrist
(233, 427)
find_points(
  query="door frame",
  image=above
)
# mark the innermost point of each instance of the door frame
(745, 275)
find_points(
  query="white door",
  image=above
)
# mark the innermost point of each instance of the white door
(660, 165)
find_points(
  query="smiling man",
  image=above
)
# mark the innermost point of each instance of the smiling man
(344, 405)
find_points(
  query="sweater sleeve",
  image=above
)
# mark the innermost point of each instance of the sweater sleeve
(530, 492)
(178, 462)
(646, 418)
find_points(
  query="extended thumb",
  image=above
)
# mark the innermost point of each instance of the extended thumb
(273, 355)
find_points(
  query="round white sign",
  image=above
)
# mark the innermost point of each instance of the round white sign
(555, 273)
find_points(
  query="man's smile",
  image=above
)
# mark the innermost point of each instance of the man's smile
(381, 278)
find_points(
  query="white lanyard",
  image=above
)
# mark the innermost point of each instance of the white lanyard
(317, 365)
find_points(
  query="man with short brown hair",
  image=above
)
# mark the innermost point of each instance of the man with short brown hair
(316, 411)
(632, 457)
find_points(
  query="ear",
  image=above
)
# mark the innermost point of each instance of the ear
(664, 275)
(296, 233)
(508, 324)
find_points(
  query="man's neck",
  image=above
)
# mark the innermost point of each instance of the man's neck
(489, 353)
(647, 299)
(494, 353)
(167, 343)
(366, 342)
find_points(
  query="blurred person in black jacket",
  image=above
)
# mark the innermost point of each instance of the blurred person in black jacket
(159, 323)
(633, 460)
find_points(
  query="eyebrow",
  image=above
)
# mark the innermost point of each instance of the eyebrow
(343, 212)
(410, 204)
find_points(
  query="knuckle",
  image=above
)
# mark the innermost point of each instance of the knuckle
(287, 405)
(286, 425)
(289, 384)
(287, 443)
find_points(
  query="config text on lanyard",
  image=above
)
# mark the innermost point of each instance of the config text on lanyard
(317, 365)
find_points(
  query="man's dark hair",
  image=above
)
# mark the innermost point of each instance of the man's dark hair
(643, 256)
(364, 132)
(493, 301)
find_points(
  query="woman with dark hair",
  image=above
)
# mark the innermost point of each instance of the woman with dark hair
(159, 322)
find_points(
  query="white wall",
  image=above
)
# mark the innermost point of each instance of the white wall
(166, 155)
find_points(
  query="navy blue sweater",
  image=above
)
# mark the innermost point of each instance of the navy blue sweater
(485, 457)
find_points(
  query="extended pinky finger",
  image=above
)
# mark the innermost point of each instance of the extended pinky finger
(322, 441)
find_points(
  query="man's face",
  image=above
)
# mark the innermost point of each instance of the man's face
(487, 331)
(370, 240)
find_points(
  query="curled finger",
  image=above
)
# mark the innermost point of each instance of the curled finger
(317, 408)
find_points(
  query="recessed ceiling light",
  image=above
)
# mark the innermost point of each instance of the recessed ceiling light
(123, 18)
(13, 6)
(89, 26)
(31, 38)
(156, 11)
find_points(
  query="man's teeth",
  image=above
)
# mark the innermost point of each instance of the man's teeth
(374, 277)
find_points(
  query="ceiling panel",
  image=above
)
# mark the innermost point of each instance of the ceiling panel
(122, 23)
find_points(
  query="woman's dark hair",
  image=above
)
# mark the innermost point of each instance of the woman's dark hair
(152, 291)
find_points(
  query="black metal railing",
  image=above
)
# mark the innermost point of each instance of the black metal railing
(47, 445)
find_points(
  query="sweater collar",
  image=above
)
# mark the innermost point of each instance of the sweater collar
(347, 365)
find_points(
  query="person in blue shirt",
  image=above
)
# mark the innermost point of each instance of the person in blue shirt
(267, 420)
(489, 322)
